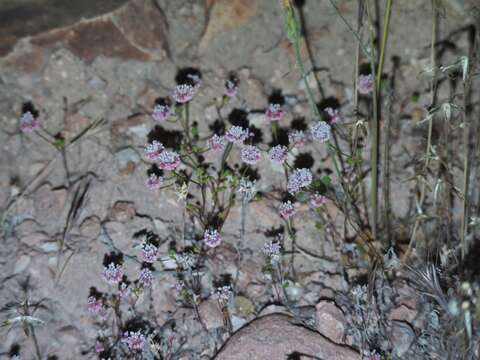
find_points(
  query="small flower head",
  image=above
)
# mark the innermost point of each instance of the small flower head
(365, 84)
(161, 112)
(222, 294)
(371, 355)
(297, 138)
(123, 290)
(317, 201)
(94, 305)
(99, 347)
(286, 209)
(153, 150)
(299, 179)
(250, 154)
(146, 277)
(113, 273)
(212, 238)
(231, 87)
(275, 112)
(134, 340)
(333, 115)
(272, 250)
(278, 154)
(216, 143)
(320, 131)
(149, 252)
(237, 134)
(168, 160)
(153, 182)
(28, 122)
(184, 93)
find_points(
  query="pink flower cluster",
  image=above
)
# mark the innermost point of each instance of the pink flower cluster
(297, 138)
(212, 238)
(153, 182)
(184, 93)
(216, 143)
(222, 293)
(299, 179)
(167, 159)
(149, 253)
(161, 112)
(333, 115)
(231, 88)
(135, 340)
(365, 84)
(146, 277)
(113, 273)
(237, 135)
(250, 154)
(274, 112)
(286, 209)
(95, 306)
(272, 250)
(317, 200)
(28, 122)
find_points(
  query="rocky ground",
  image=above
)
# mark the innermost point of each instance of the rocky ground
(105, 63)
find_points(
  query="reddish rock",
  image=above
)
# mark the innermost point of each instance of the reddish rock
(330, 321)
(402, 313)
(122, 211)
(276, 336)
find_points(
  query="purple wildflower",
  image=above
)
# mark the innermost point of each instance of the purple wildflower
(161, 112)
(317, 200)
(274, 112)
(365, 84)
(299, 178)
(216, 143)
(153, 150)
(231, 88)
(113, 273)
(333, 115)
(28, 122)
(168, 160)
(94, 305)
(272, 250)
(124, 290)
(184, 93)
(286, 209)
(222, 293)
(320, 131)
(146, 277)
(135, 340)
(297, 138)
(237, 134)
(278, 154)
(250, 154)
(371, 355)
(153, 182)
(99, 347)
(212, 238)
(149, 253)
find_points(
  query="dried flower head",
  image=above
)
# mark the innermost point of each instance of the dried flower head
(250, 154)
(299, 179)
(135, 340)
(212, 238)
(246, 188)
(297, 138)
(320, 131)
(184, 93)
(168, 160)
(333, 115)
(28, 122)
(286, 209)
(274, 112)
(237, 134)
(153, 150)
(161, 112)
(113, 273)
(153, 182)
(365, 84)
(278, 154)
(216, 143)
